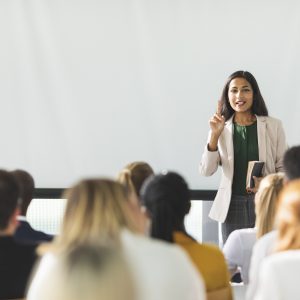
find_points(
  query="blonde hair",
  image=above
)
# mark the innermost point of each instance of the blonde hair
(288, 217)
(133, 175)
(96, 211)
(266, 202)
(88, 272)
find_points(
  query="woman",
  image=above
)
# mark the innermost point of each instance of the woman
(238, 247)
(240, 131)
(132, 176)
(98, 212)
(88, 272)
(279, 273)
(167, 200)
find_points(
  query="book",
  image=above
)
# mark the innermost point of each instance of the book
(254, 169)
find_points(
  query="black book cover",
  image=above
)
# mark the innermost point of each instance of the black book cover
(254, 169)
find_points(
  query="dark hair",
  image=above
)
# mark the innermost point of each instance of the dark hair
(167, 199)
(26, 184)
(258, 107)
(9, 195)
(291, 163)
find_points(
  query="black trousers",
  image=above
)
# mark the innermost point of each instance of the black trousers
(241, 214)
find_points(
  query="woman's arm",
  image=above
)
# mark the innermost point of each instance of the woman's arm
(209, 162)
(211, 157)
(281, 148)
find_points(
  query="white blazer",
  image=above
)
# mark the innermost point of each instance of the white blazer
(271, 148)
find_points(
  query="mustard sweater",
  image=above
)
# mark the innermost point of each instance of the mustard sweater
(208, 259)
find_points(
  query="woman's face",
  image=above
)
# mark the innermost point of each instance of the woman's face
(240, 95)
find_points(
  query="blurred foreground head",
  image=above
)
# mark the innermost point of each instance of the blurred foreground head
(96, 212)
(89, 272)
(288, 217)
(266, 201)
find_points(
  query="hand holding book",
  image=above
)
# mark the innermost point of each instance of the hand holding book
(254, 175)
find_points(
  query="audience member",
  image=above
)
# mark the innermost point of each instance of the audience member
(167, 200)
(132, 177)
(265, 245)
(239, 245)
(25, 233)
(97, 211)
(87, 272)
(280, 272)
(291, 163)
(16, 259)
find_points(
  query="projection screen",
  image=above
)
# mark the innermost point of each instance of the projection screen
(87, 86)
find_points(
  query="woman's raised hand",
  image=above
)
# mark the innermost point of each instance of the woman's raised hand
(217, 124)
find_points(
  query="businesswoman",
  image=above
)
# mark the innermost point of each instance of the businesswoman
(240, 131)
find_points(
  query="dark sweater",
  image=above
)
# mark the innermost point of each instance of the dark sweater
(27, 235)
(16, 262)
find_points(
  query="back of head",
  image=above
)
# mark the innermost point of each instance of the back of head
(26, 184)
(96, 211)
(134, 175)
(266, 200)
(89, 272)
(167, 199)
(291, 163)
(9, 195)
(288, 217)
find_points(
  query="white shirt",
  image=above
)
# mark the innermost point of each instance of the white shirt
(279, 277)
(238, 250)
(262, 248)
(161, 271)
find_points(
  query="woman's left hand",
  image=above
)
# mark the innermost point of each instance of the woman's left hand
(257, 181)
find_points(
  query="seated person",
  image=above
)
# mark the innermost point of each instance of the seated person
(239, 245)
(89, 272)
(98, 211)
(132, 177)
(266, 244)
(16, 259)
(25, 233)
(167, 200)
(280, 272)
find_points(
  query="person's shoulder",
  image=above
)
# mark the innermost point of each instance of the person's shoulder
(240, 238)
(241, 233)
(282, 260)
(269, 120)
(266, 241)
(155, 252)
(246, 233)
(210, 248)
(213, 253)
(144, 243)
(25, 248)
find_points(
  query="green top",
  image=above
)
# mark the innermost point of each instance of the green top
(245, 146)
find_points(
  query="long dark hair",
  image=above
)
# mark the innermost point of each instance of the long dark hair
(167, 199)
(258, 107)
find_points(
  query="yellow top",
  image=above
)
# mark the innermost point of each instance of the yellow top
(208, 259)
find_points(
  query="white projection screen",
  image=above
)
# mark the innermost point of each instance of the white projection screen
(87, 86)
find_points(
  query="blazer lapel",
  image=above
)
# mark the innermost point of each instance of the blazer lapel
(261, 137)
(229, 139)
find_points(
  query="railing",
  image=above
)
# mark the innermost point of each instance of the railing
(55, 193)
